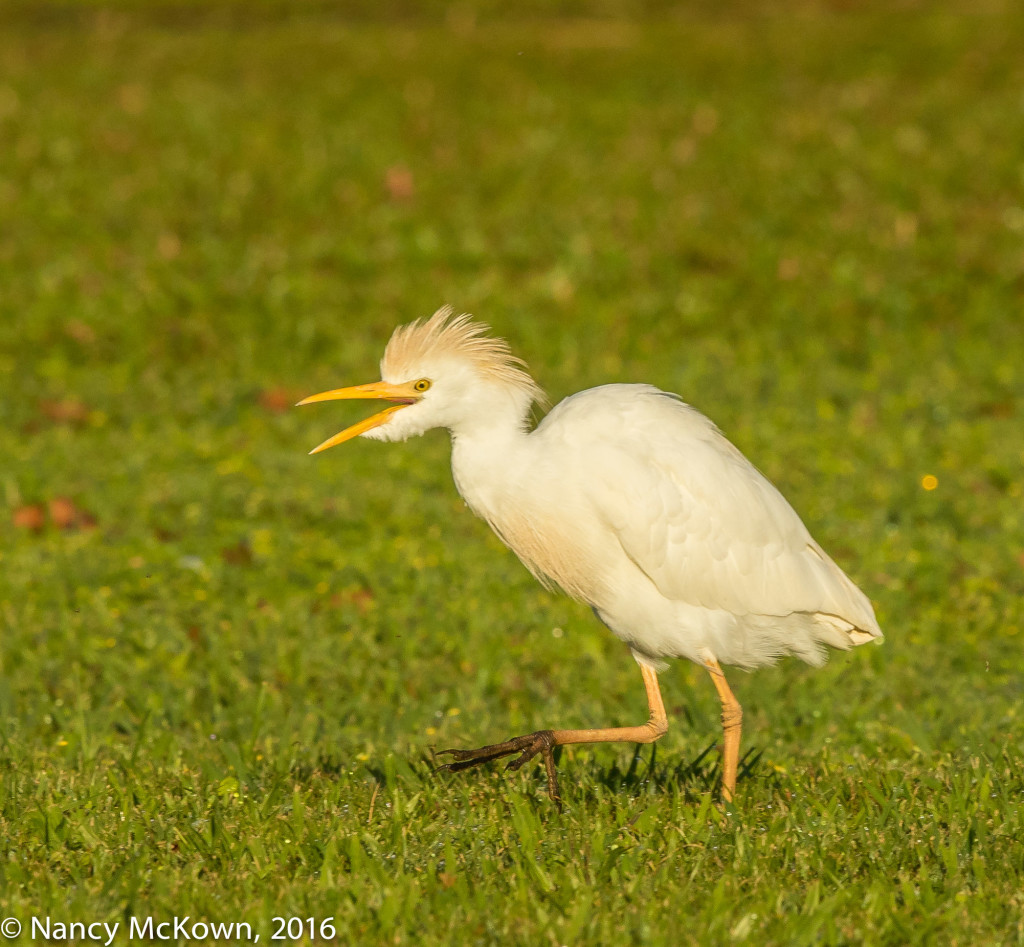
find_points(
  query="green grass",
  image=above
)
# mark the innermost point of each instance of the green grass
(220, 680)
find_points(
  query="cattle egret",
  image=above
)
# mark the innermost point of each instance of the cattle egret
(632, 502)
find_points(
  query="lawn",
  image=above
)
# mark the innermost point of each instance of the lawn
(224, 663)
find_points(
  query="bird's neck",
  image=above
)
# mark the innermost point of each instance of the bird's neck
(488, 458)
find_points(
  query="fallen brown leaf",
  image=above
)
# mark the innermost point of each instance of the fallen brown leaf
(29, 517)
(67, 410)
(277, 400)
(362, 599)
(399, 183)
(80, 331)
(64, 514)
(238, 555)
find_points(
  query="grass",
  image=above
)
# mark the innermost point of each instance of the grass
(223, 663)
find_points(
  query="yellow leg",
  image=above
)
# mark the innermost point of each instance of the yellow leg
(732, 722)
(648, 732)
(543, 741)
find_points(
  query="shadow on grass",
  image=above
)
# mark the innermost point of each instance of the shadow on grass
(692, 778)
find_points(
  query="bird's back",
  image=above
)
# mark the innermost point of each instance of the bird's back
(691, 515)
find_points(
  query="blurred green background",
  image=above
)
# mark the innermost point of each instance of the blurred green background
(223, 662)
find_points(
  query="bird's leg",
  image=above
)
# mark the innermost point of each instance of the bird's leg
(544, 741)
(732, 721)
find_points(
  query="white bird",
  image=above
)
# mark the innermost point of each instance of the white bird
(632, 502)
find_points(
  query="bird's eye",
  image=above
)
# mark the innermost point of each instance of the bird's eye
(422, 385)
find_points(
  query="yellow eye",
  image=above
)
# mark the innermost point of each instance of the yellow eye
(422, 385)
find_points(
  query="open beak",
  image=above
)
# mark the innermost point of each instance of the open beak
(404, 395)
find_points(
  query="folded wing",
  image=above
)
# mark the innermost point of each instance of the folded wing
(697, 517)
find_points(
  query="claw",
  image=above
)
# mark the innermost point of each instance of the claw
(527, 746)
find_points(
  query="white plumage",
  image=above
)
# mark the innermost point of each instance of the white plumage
(636, 504)
(630, 501)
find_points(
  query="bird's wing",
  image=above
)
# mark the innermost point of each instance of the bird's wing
(695, 515)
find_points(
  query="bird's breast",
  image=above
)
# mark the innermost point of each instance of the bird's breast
(556, 550)
(536, 511)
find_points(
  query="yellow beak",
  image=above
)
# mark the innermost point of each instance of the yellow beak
(405, 395)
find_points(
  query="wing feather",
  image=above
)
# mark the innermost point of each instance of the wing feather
(694, 514)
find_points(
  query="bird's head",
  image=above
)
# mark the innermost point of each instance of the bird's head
(444, 372)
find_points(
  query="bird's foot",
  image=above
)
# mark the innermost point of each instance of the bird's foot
(527, 746)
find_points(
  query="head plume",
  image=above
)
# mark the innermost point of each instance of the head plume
(445, 335)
